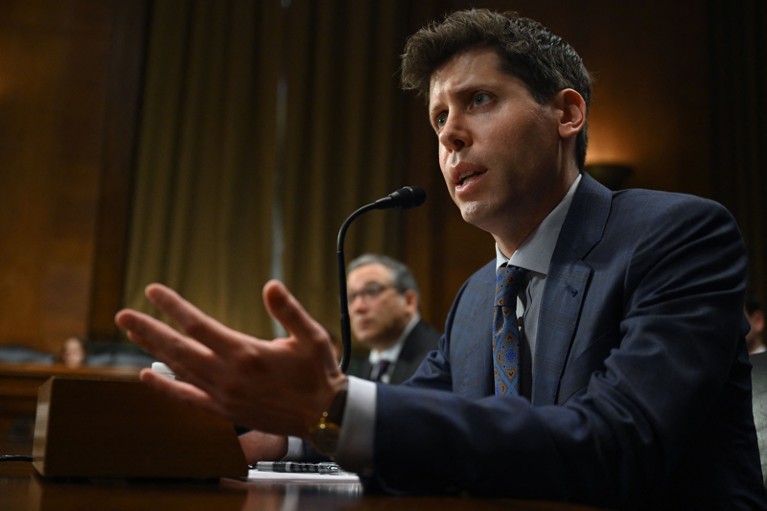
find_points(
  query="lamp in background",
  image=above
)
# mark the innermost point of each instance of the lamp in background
(612, 175)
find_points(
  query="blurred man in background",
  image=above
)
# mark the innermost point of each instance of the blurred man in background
(384, 306)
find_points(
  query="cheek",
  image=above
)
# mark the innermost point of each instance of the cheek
(443, 167)
(530, 149)
(442, 158)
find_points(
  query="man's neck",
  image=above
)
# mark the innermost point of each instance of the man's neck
(551, 226)
(391, 348)
(512, 234)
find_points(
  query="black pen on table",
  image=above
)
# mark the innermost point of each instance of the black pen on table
(298, 467)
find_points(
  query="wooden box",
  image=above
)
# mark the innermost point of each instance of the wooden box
(123, 429)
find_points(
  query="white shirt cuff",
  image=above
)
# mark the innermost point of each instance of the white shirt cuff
(295, 449)
(355, 443)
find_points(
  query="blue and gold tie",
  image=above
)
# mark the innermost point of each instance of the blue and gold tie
(506, 336)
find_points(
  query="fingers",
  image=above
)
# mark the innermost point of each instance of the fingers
(180, 353)
(180, 390)
(152, 335)
(235, 375)
(191, 320)
(314, 341)
(199, 357)
(284, 307)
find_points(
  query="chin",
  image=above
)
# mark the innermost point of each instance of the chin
(478, 218)
(364, 338)
(472, 213)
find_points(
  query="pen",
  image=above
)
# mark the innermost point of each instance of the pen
(296, 466)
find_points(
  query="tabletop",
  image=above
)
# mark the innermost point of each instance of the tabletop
(21, 489)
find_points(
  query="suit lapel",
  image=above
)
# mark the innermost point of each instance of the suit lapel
(405, 364)
(471, 352)
(566, 286)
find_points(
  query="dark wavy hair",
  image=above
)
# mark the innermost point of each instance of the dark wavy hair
(528, 51)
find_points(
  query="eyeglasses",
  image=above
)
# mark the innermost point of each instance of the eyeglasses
(368, 292)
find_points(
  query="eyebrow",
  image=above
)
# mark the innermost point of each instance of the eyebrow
(434, 111)
(374, 283)
(467, 89)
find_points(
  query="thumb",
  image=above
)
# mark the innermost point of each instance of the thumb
(288, 311)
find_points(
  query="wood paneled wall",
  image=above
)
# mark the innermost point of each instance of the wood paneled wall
(65, 138)
(53, 81)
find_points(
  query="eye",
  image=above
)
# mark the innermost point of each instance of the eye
(480, 98)
(369, 292)
(440, 120)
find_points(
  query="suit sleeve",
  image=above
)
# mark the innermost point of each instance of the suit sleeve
(674, 336)
(434, 370)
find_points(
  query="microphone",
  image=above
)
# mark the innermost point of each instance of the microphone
(406, 197)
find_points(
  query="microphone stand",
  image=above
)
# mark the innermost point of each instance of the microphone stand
(403, 198)
(346, 336)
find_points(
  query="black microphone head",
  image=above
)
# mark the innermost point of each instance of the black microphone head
(404, 198)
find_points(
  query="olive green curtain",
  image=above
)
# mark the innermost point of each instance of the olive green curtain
(345, 139)
(263, 125)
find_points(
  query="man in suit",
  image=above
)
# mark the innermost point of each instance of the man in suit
(635, 387)
(384, 315)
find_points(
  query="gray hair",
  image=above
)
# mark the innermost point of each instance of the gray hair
(402, 278)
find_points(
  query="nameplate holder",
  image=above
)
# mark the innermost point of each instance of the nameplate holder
(102, 428)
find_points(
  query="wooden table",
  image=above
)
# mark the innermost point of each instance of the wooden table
(21, 489)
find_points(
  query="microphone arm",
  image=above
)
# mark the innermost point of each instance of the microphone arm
(403, 198)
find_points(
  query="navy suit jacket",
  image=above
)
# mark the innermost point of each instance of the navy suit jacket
(420, 341)
(641, 393)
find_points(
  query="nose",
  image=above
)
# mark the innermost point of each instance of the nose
(357, 304)
(454, 135)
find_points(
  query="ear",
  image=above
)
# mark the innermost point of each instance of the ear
(572, 108)
(411, 299)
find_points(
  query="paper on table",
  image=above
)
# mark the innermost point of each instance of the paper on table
(286, 477)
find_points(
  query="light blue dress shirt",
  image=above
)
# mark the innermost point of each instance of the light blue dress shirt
(355, 444)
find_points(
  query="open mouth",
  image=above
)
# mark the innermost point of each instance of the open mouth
(464, 172)
(465, 177)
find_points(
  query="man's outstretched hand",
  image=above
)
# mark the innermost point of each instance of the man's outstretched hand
(278, 386)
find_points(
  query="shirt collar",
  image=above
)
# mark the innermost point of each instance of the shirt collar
(535, 252)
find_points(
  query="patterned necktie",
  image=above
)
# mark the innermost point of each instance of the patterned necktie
(506, 334)
(378, 370)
